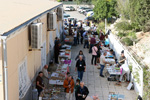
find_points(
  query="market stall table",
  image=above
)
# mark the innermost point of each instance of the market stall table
(114, 96)
(69, 40)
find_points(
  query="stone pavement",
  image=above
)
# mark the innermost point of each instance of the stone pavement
(95, 83)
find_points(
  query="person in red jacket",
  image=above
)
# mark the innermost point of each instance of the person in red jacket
(69, 87)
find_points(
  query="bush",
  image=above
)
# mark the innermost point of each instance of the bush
(59, 0)
(123, 26)
(132, 35)
(101, 26)
(127, 41)
(121, 34)
(147, 27)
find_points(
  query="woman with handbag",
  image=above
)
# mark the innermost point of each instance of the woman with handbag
(94, 54)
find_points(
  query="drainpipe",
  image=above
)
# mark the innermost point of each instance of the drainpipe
(5, 69)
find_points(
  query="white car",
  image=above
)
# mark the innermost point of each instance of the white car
(69, 8)
(79, 8)
(90, 14)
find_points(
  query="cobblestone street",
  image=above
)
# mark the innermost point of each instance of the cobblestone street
(96, 84)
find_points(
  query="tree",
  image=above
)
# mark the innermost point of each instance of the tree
(123, 8)
(140, 12)
(105, 9)
(87, 1)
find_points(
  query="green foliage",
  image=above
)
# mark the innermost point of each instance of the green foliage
(59, 0)
(123, 26)
(139, 12)
(147, 27)
(123, 8)
(146, 80)
(136, 76)
(86, 1)
(101, 26)
(121, 34)
(132, 36)
(105, 9)
(127, 41)
(130, 67)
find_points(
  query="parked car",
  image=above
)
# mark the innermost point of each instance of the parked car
(66, 16)
(69, 8)
(86, 11)
(90, 14)
(90, 19)
(79, 8)
(83, 9)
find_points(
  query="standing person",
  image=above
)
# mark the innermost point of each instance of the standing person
(45, 76)
(65, 33)
(77, 87)
(84, 33)
(81, 34)
(70, 30)
(74, 22)
(102, 63)
(39, 83)
(126, 71)
(80, 54)
(94, 54)
(56, 51)
(83, 25)
(75, 36)
(92, 25)
(122, 58)
(86, 41)
(92, 42)
(99, 51)
(81, 67)
(88, 23)
(78, 35)
(102, 36)
(82, 92)
(56, 40)
(69, 87)
(95, 30)
(106, 41)
(65, 22)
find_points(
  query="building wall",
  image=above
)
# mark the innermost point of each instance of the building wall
(1, 74)
(18, 50)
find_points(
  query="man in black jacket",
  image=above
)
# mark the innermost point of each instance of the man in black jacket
(82, 91)
(81, 67)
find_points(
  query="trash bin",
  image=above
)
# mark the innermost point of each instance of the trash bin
(34, 94)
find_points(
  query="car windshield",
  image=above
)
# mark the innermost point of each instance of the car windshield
(82, 7)
(66, 16)
(67, 7)
(85, 8)
(71, 18)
